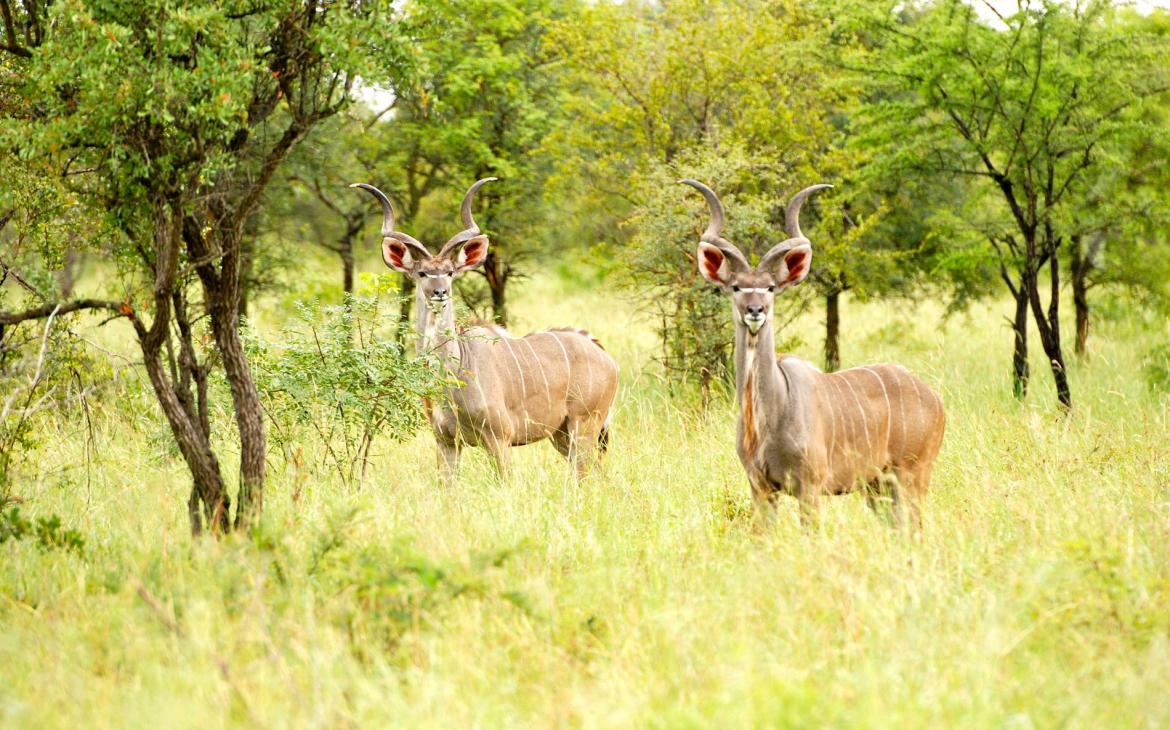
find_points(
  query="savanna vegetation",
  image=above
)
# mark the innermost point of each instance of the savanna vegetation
(219, 501)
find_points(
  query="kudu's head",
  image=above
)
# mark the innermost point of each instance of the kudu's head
(753, 288)
(433, 273)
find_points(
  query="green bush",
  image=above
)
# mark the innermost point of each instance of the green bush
(1156, 368)
(46, 530)
(331, 375)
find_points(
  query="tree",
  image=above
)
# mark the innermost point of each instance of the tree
(485, 96)
(170, 121)
(311, 201)
(1028, 107)
(732, 93)
(1121, 216)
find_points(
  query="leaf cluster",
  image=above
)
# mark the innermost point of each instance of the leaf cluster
(46, 531)
(335, 373)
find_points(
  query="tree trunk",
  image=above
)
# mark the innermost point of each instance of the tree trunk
(1079, 267)
(1048, 324)
(190, 434)
(1081, 304)
(208, 486)
(832, 331)
(1020, 371)
(405, 303)
(67, 276)
(347, 269)
(221, 296)
(246, 403)
(246, 282)
(497, 279)
(353, 229)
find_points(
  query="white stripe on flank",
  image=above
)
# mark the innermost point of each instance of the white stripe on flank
(860, 409)
(901, 416)
(886, 395)
(568, 367)
(917, 393)
(520, 375)
(540, 364)
(478, 386)
(836, 403)
(588, 373)
(832, 430)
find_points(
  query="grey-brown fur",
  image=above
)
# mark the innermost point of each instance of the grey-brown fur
(557, 384)
(808, 433)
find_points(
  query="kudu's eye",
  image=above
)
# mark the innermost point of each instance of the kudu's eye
(772, 288)
(734, 287)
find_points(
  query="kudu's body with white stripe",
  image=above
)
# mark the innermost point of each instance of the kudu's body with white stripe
(557, 384)
(804, 432)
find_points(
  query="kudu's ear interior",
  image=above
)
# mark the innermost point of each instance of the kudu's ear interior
(797, 262)
(397, 255)
(471, 254)
(713, 264)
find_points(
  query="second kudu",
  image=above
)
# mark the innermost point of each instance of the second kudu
(801, 431)
(558, 384)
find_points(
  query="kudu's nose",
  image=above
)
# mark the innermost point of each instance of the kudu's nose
(439, 294)
(755, 310)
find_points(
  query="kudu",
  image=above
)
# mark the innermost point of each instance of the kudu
(557, 384)
(801, 431)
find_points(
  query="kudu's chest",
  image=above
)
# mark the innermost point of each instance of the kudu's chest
(772, 442)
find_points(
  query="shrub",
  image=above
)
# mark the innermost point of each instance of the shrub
(46, 530)
(1156, 368)
(331, 373)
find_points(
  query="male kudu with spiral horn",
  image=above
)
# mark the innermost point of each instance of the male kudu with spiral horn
(801, 431)
(557, 384)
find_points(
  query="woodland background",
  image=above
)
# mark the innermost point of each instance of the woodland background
(193, 313)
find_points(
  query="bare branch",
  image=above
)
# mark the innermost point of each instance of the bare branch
(38, 373)
(122, 309)
(9, 271)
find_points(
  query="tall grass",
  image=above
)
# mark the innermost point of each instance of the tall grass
(1038, 595)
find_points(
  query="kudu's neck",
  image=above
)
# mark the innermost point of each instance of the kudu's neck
(756, 373)
(436, 329)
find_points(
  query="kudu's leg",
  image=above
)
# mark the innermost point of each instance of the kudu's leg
(764, 507)
(578, 447)
(501, 457)
(449, 453)
(808, 486)
(810, 507)
(582, 455)
(585, 450)
(908, 498)
(881, 496)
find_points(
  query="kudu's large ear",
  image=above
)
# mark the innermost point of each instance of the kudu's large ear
(788, 262)
(713, 264)
(471, 254)
(400, 251)
(398, 256)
